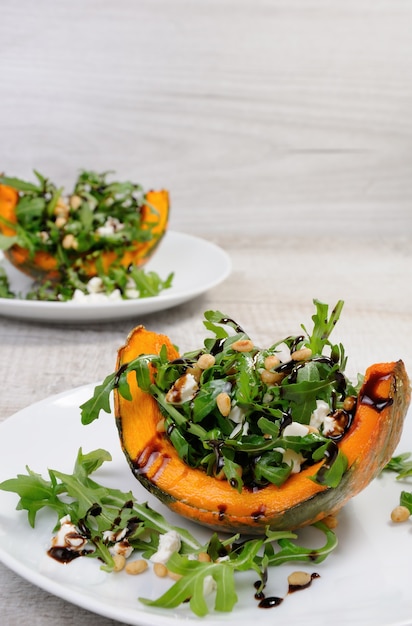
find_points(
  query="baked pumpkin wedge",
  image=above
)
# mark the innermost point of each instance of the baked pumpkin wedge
(277, 457)
(99, 225)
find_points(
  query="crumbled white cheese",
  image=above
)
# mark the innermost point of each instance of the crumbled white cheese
(237, 414)
(121, 547)
(169, 543)
(295, 459)
(95, 285)
(295, 429)
(321, 418)
(86, 298)
(68, 535)
(183, 389)
(111, 226)
(131, 290)
(111, 537)
(243, 428)
(221, 559)
(209, 585)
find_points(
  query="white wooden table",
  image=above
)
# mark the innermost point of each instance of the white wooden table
(283, 131)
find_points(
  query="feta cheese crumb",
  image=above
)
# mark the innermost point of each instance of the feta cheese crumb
(237, 414)
(321, 418)
(112, 225)
(295, 459)
(111, 537)
(95, 285)
(183, 390)
(209, 585)
(123, 548)
(169, 543)
(79, 297)
(131, 290)
(68, 536)
(295, 429)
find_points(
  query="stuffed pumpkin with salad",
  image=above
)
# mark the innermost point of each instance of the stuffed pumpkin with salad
(240, 438)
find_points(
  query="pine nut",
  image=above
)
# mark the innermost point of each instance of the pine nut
(70, 241)
(242, 345)
(223, 403)
(331, 521)
(136, 567)
(301, 355)
(60, 221)
(173, 575)
(119, 562)
(195, 371)
(160, 570)
(271, 361)
(75, 202)
(400, 514)
(61, 209)
(349, 403)
(271, 378)
(299, 579)
(203, 557)
(205, 361)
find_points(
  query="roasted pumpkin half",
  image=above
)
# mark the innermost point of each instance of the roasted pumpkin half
(240, 439)
(98, 225)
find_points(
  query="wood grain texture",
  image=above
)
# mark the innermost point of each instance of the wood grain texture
(283, 130)
(292, 113)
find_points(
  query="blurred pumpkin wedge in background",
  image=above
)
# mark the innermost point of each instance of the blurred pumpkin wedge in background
(98, 225)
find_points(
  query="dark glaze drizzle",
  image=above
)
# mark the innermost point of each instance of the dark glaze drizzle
(216, 445)
(222, 510)
(258, 514)
(66, 555)
(369, 394)
(272, 601)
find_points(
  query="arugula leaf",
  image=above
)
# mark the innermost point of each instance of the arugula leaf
(100, 401)
(19, 184)
(5, 241)
(100, 512)
(323, 326)
(401, 464)
(4, 282)
(406, 500)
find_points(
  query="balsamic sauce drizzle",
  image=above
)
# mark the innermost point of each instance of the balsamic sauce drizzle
(268, 602)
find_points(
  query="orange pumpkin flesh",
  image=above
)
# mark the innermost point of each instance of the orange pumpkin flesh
(368, 446)
(44, 266)
(8, 200)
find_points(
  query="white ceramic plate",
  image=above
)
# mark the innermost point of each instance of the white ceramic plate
(198, 266)
(364, 582)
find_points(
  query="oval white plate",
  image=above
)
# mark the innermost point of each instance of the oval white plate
(198, 266)
(365, 582)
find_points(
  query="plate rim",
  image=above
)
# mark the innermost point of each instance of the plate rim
(70, 311)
